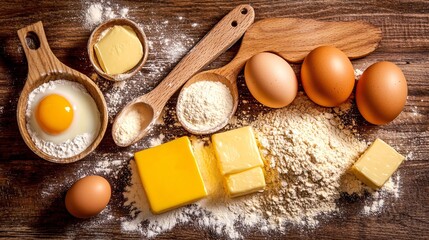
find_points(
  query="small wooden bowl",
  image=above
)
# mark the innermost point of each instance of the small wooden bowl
(43, 67)
(96, 36)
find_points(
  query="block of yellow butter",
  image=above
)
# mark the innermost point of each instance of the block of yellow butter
(377, 164)
(236, 150)
(245, 182)
(170, 175)
(119, 50)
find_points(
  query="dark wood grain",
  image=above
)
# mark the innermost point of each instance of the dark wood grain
(26, 212)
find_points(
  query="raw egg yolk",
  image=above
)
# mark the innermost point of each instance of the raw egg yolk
(54, 114)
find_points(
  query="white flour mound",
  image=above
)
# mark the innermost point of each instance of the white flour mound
(204, 105)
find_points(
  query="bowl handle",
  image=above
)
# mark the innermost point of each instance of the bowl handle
(41, 60)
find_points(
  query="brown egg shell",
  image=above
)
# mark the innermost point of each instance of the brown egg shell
(381, 93)
(88, 196)
(271, 80)
(327, 76)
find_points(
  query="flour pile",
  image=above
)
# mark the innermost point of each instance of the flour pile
(307, 150)
(204, 105)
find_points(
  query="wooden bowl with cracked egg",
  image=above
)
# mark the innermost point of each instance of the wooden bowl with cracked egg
(99, 32)
(43, 67)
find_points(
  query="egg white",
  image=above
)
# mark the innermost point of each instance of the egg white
(86, 117)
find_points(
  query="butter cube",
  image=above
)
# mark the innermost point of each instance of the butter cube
(119, 50)
(236, 150)
(170, 175)
(377, 164)
(245, 182)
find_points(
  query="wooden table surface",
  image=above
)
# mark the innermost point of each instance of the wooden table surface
(32, 190)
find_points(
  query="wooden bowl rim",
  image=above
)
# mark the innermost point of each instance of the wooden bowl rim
(94, 38)
(69, 76)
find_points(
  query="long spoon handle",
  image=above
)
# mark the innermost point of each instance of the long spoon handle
(221, 37)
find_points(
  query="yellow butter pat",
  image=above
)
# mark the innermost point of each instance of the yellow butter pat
(245, 182)
(236, 150)
(377, 164)
(170, 175)
(119, 50)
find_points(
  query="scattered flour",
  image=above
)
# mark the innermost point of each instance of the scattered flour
(94, 15)
(375, 203)
(101, 11)
(410, 156)
(156, 141)
(358, 73)
(107, 166)
(307, 150)
(374, 207)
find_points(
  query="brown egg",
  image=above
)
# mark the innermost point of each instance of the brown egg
(327, 76)
(88, 196)
(381, 93)
(271, 80)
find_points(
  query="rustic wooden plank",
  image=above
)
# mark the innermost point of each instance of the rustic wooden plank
(28, 209)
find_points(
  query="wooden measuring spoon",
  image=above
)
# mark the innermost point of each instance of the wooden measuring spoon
(148, 107)
(292, 39)
(43, 67)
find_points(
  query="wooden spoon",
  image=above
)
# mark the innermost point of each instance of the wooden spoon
(149, 106)
(292, 39)
(43, 67)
